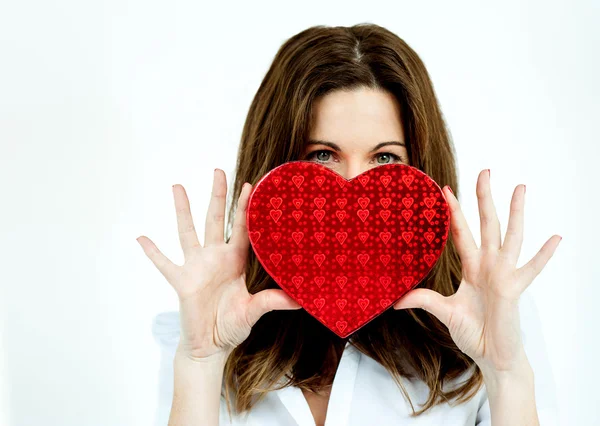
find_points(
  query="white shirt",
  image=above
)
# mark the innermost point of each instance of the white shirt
(363, 392)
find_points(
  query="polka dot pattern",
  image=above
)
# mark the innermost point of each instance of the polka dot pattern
(346, 250)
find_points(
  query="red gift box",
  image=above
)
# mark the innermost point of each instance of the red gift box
(346, 250)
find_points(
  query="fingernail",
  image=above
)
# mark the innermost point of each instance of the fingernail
(489, 172)
(450, 189)
(524, 188)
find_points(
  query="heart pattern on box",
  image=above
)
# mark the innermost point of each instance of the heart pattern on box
(346, 250)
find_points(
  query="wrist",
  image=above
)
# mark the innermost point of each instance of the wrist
(521, 374)
(516, 366)
(217, 359)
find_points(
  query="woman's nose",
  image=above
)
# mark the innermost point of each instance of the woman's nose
(354, 169)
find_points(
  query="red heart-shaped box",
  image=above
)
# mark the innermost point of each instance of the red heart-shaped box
(346, 250)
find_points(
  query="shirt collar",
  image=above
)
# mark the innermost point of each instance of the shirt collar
(340, 399)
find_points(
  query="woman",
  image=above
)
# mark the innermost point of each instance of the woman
(453, 344)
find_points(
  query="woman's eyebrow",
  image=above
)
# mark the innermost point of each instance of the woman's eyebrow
(336, 147)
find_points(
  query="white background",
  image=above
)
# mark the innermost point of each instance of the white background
(105, 105)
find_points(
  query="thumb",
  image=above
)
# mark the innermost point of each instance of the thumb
(429, 300)
(268, 300)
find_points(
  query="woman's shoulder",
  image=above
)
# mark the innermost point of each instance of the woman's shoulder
(166, 329)
(166, 332)
(532, 334)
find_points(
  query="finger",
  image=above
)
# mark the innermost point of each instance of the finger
(490, 225)
(167, 268)
(215, 218)
(429, 300)
(239, 236)
(531, 269)
(268, 300)
(513, 240)
(185, 224)
(461, 234)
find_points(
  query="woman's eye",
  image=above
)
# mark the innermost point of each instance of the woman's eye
(322, 156)
(388, 155)
(319, 157)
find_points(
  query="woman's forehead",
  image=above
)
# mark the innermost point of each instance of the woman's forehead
(358, 117)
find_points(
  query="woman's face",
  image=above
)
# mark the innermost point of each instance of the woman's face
(355, 131)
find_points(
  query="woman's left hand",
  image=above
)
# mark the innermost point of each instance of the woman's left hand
(483, 315)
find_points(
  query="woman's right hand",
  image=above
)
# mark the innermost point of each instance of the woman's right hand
(216, 310)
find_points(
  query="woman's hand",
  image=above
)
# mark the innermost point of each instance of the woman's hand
(216, 310)
(483, 315)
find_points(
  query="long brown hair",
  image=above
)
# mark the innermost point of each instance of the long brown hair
(291, 344)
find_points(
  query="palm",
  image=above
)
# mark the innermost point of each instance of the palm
(228, 326)
(213, 280)
(482, 316)
(215, 308)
